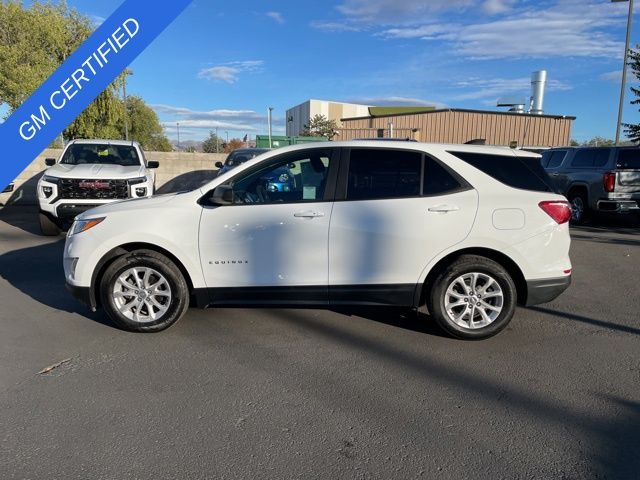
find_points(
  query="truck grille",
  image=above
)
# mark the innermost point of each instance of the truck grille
(75, 188)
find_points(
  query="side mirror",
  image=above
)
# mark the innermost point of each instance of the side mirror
(218, 164)
(153, 164)
(222, 195)
(50, 162)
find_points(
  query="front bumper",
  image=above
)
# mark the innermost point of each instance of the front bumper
(543, 291)
(83, 294)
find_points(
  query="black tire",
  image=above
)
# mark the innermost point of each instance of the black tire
(580, 211)
(465, 264)
(177, 305)
(48, 227)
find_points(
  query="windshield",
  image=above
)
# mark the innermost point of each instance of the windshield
(104, 154)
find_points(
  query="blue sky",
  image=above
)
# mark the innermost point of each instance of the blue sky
(223, 63)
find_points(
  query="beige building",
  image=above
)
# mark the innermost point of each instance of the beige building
(299, 116)
(454, 125)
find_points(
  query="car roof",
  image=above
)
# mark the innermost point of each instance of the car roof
(99, 141)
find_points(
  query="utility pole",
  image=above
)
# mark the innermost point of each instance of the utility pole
(126, 112)
(217, 142)
(623, 86)
(270, 127)
(178, 126)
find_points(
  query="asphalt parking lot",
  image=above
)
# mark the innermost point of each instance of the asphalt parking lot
(240, 393)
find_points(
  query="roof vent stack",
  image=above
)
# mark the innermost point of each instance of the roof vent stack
(538, 84)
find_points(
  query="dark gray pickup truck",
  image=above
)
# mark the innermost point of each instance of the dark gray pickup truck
(596, 179)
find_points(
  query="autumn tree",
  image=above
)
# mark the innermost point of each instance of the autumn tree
(234, 144)
(320, 126)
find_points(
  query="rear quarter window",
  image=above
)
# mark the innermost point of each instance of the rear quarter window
(590, 158)
(629, 159)
(525, 173)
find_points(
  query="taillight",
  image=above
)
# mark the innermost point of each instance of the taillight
(559, 210)
(609, 181)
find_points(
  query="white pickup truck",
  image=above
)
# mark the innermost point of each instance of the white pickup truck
(90, 173)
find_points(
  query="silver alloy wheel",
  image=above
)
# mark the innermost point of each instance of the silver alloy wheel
(577, 209)
(474, 300)
(142, 294)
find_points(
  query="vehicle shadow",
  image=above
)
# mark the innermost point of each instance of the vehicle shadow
(37, 272)
(590, 321)
(21, 209)
(618, 440)
(419, 322)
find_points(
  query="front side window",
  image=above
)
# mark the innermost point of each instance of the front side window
(295, 178)
(383, 173)
(88, 153)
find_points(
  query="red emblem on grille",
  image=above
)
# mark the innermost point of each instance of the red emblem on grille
(94, 185)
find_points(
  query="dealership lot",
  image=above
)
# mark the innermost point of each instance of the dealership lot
(283, 393)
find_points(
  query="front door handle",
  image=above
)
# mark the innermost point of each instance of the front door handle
(308, 214)
(444, 208)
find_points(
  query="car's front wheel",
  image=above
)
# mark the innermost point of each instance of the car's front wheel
(473, 298)
(144, 291)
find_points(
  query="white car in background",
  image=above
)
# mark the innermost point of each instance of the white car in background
(90, 173)
(469, 231)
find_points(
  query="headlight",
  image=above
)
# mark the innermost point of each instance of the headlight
(80, 226)
(47, 178)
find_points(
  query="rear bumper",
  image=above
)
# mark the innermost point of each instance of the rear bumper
(543, 291)
(618, 206)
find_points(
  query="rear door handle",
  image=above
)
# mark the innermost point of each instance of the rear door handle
(444, 208)
(308, 214)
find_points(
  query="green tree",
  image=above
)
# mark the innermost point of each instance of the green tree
(632, 131)
(144, 126)
(319, 126)
(598, 142)
(34, 42)
(212, 144)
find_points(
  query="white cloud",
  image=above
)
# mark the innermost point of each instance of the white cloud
(237, 120)
(563, 28)
(335, 26)
(494, 7)
(397, 101)
(275, 16)
(616, 76)
(491, 89)
(228, 72)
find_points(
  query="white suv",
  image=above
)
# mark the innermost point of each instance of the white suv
(469, 231)
(91, 173)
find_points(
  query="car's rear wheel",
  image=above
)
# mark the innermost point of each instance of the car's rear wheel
(579, 207)
(48, 227)
(473, 298)
(144, 291)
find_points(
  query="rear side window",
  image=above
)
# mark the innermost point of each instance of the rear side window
(525, 173)
(384, 173)
(437, 179)
(555, 158)
(629, 158)
(590, 158)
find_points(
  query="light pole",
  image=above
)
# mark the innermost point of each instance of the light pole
(227, 135)
(217, 142)
(127, 72)
(178, 126)
(623, 86)
(270, 128)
